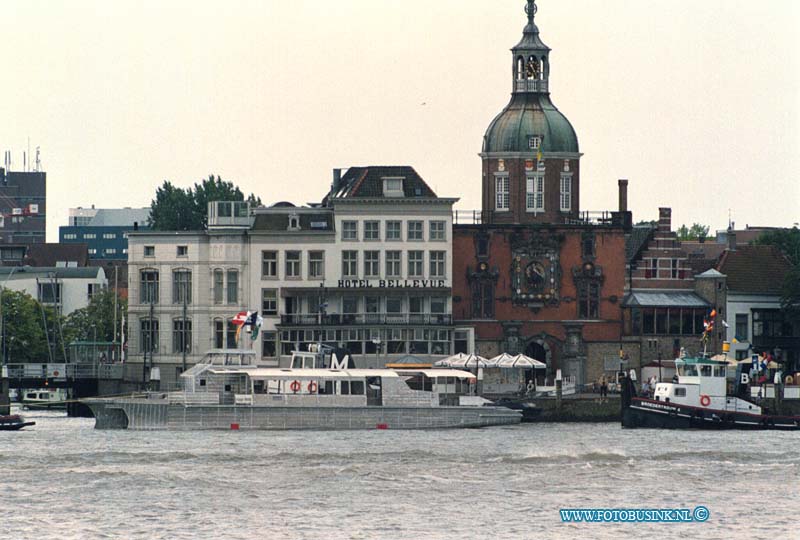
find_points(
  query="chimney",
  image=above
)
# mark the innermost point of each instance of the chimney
(664, 220)
(337, 180)
(623, 194)
(731, 240)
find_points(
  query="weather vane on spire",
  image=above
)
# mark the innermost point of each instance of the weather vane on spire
(531, 10)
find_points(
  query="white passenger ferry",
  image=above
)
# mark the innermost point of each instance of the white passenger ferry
(697, 399)
(227, 390)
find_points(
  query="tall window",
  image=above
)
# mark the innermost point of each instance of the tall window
(219, 333)
(181, 335)
(292, 264)
(219, 278)
(742, 322)
(148, 287)
(349, 230)
(148, 335)
(372, 230)
(316, 264)
(566, 192)
(269, 302)
(437, 264)
(394, 230)
(534, 193)
(230, 335)
(415, 231)
(501, 193)
(483, 299)
(233, 286)
(269, 264)
(181, 286)
(372, 262)
(393, 264)
(415, 264)
(350, 264)
(588, 299)
(268, 344)
(437, 231)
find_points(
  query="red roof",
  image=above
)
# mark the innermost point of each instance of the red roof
(755, 269)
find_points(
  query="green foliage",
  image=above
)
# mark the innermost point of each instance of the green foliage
(788, 242)
(695, 232)
(25, 338)
(178, 209)
(97, 319)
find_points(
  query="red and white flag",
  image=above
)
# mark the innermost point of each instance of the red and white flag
(241, 318)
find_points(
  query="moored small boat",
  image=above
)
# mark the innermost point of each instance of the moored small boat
(697, 399)
(13, 422)
(44, 399)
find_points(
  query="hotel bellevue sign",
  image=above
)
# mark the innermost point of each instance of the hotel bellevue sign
(392, 283)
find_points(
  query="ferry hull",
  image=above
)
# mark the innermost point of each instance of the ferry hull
(647, 413)
(150, 415)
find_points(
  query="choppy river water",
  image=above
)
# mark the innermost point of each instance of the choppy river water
(63, 479)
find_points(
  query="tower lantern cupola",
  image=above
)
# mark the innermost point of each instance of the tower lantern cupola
(531, 159)
(531, 64)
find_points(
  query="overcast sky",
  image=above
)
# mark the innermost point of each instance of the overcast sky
(696, 103)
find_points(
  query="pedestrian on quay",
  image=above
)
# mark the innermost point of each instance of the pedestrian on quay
(603, 389)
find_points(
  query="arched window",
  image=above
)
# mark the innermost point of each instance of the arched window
(148, 286)
(520, 68)
(219, 285)
(181, 286)
(148, 335)
(233, 286)
(181, 335)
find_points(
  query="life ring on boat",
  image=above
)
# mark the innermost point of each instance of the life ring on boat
(295, 386)
(312, 387)
(705, 401)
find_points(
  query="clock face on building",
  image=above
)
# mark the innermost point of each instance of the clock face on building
(536, 277)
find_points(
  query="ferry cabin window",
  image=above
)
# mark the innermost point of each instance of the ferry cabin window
(705, 371)
(356, 388)
(328, 388)
(690, 371)
(719, 371)
(344, 388)
(680, 392)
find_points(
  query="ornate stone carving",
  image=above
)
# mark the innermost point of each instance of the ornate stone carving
(535, 268)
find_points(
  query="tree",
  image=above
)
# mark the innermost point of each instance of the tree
(97, 319)
(24, 323)
(788, 242)
(695, 232)
(178, 209)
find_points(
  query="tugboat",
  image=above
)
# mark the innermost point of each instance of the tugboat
(13, 422)
(697, 399)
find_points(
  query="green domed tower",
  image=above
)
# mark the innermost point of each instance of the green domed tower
(531, 160)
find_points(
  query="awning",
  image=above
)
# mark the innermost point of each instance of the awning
(664, 299)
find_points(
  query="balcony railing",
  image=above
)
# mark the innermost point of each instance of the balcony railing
(365, 319)
(531, 85)
(65, 371)
(605, 217)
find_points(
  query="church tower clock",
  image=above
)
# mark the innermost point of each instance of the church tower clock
(531, 161)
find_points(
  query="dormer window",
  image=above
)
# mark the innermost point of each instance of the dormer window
(393, 187)
(534, 142)
(294, 222)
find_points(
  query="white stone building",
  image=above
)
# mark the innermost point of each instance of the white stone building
(368, 269)
(64, 288)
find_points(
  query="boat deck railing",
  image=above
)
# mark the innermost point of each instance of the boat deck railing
(65, 371)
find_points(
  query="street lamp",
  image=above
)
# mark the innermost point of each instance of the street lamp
(94, 343)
